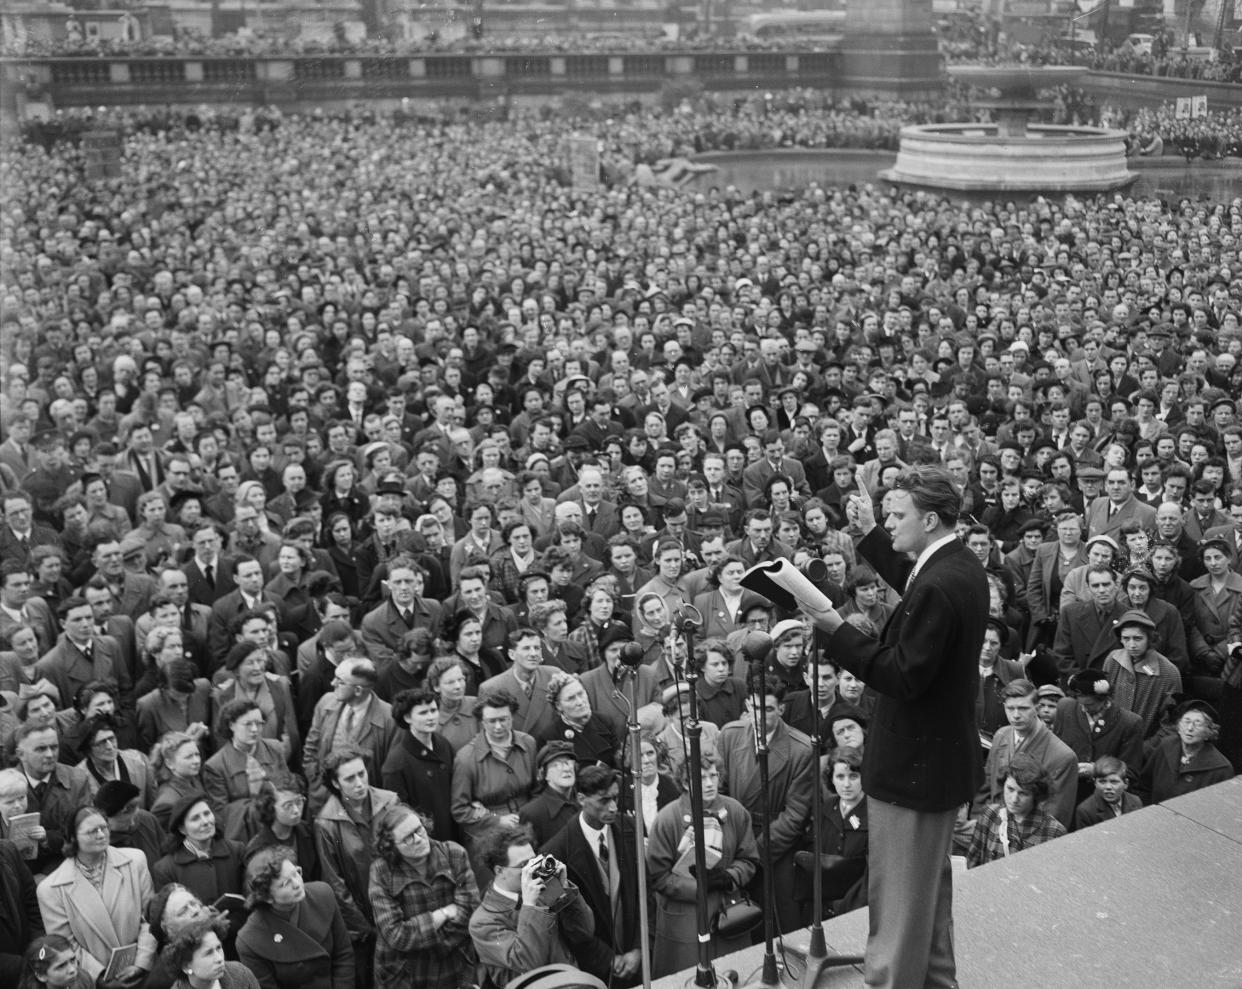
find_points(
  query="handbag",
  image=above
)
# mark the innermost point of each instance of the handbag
(737, 915)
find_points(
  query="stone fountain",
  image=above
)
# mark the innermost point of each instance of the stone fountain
(1012, 154)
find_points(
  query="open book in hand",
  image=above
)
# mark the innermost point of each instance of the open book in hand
(122, 958)
(21, 827)
(785, 586)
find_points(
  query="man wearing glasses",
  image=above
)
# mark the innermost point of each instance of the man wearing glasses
(19, 534)
(349, 716)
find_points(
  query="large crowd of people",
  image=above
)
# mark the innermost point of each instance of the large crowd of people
(347, 462)
(257, 43)
(1217, 134)
(635, 134)
(973, 39)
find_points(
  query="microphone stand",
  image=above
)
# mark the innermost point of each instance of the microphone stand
(631, 657)
(815, 957)
(758, 655)
(687, 621)
(816, 945)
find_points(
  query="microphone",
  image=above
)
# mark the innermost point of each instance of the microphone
(631, 656)
(687, 618)
(756, 646)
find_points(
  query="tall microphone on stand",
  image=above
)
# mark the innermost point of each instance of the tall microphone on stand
(756, 648)
(687, 620)
(816, 955)
(631, 659)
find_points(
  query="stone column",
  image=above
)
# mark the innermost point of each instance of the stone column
(889, 48)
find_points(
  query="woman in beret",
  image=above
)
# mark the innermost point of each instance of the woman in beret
(198, 857)
(1143, 680)
(554, 804)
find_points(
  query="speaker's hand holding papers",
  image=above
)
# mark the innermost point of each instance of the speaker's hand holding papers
(789, 589)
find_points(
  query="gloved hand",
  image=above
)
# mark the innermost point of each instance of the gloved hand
(717, 879)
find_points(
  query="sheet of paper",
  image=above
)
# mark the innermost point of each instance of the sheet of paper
(784, 585)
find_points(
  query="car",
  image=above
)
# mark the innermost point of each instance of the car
(1141, 43)
(1079, 46)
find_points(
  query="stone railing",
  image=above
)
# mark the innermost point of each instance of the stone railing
(296, 81)
(1143, 90)
(69, 82)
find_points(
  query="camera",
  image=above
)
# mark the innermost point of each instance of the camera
(544, 867)
(547, 869)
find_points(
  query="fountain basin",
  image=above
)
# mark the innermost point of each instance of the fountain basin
(980, 157)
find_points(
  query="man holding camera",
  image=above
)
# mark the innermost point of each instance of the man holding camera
(530, 913)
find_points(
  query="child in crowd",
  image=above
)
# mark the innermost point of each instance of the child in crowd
(1111, 798)
(51, 963)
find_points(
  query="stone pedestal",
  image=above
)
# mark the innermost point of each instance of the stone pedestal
(889, 47)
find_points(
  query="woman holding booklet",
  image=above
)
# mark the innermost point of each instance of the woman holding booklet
(95, 897)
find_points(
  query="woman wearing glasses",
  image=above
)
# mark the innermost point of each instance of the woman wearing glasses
(252, 680)
(1186, 761)
(233, 776)
(95, 898)
(423, 893)
(281, 812)
(295, 937)
(105, 761)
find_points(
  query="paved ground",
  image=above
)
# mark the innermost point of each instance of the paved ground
(1153, 901)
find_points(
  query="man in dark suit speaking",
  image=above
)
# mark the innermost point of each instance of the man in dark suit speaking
(922, 756)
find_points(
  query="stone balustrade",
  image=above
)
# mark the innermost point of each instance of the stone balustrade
(298, 81)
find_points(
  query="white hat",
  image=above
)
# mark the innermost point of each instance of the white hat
(783, 628)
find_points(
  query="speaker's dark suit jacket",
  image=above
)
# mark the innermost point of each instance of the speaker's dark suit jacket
(922, 749)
